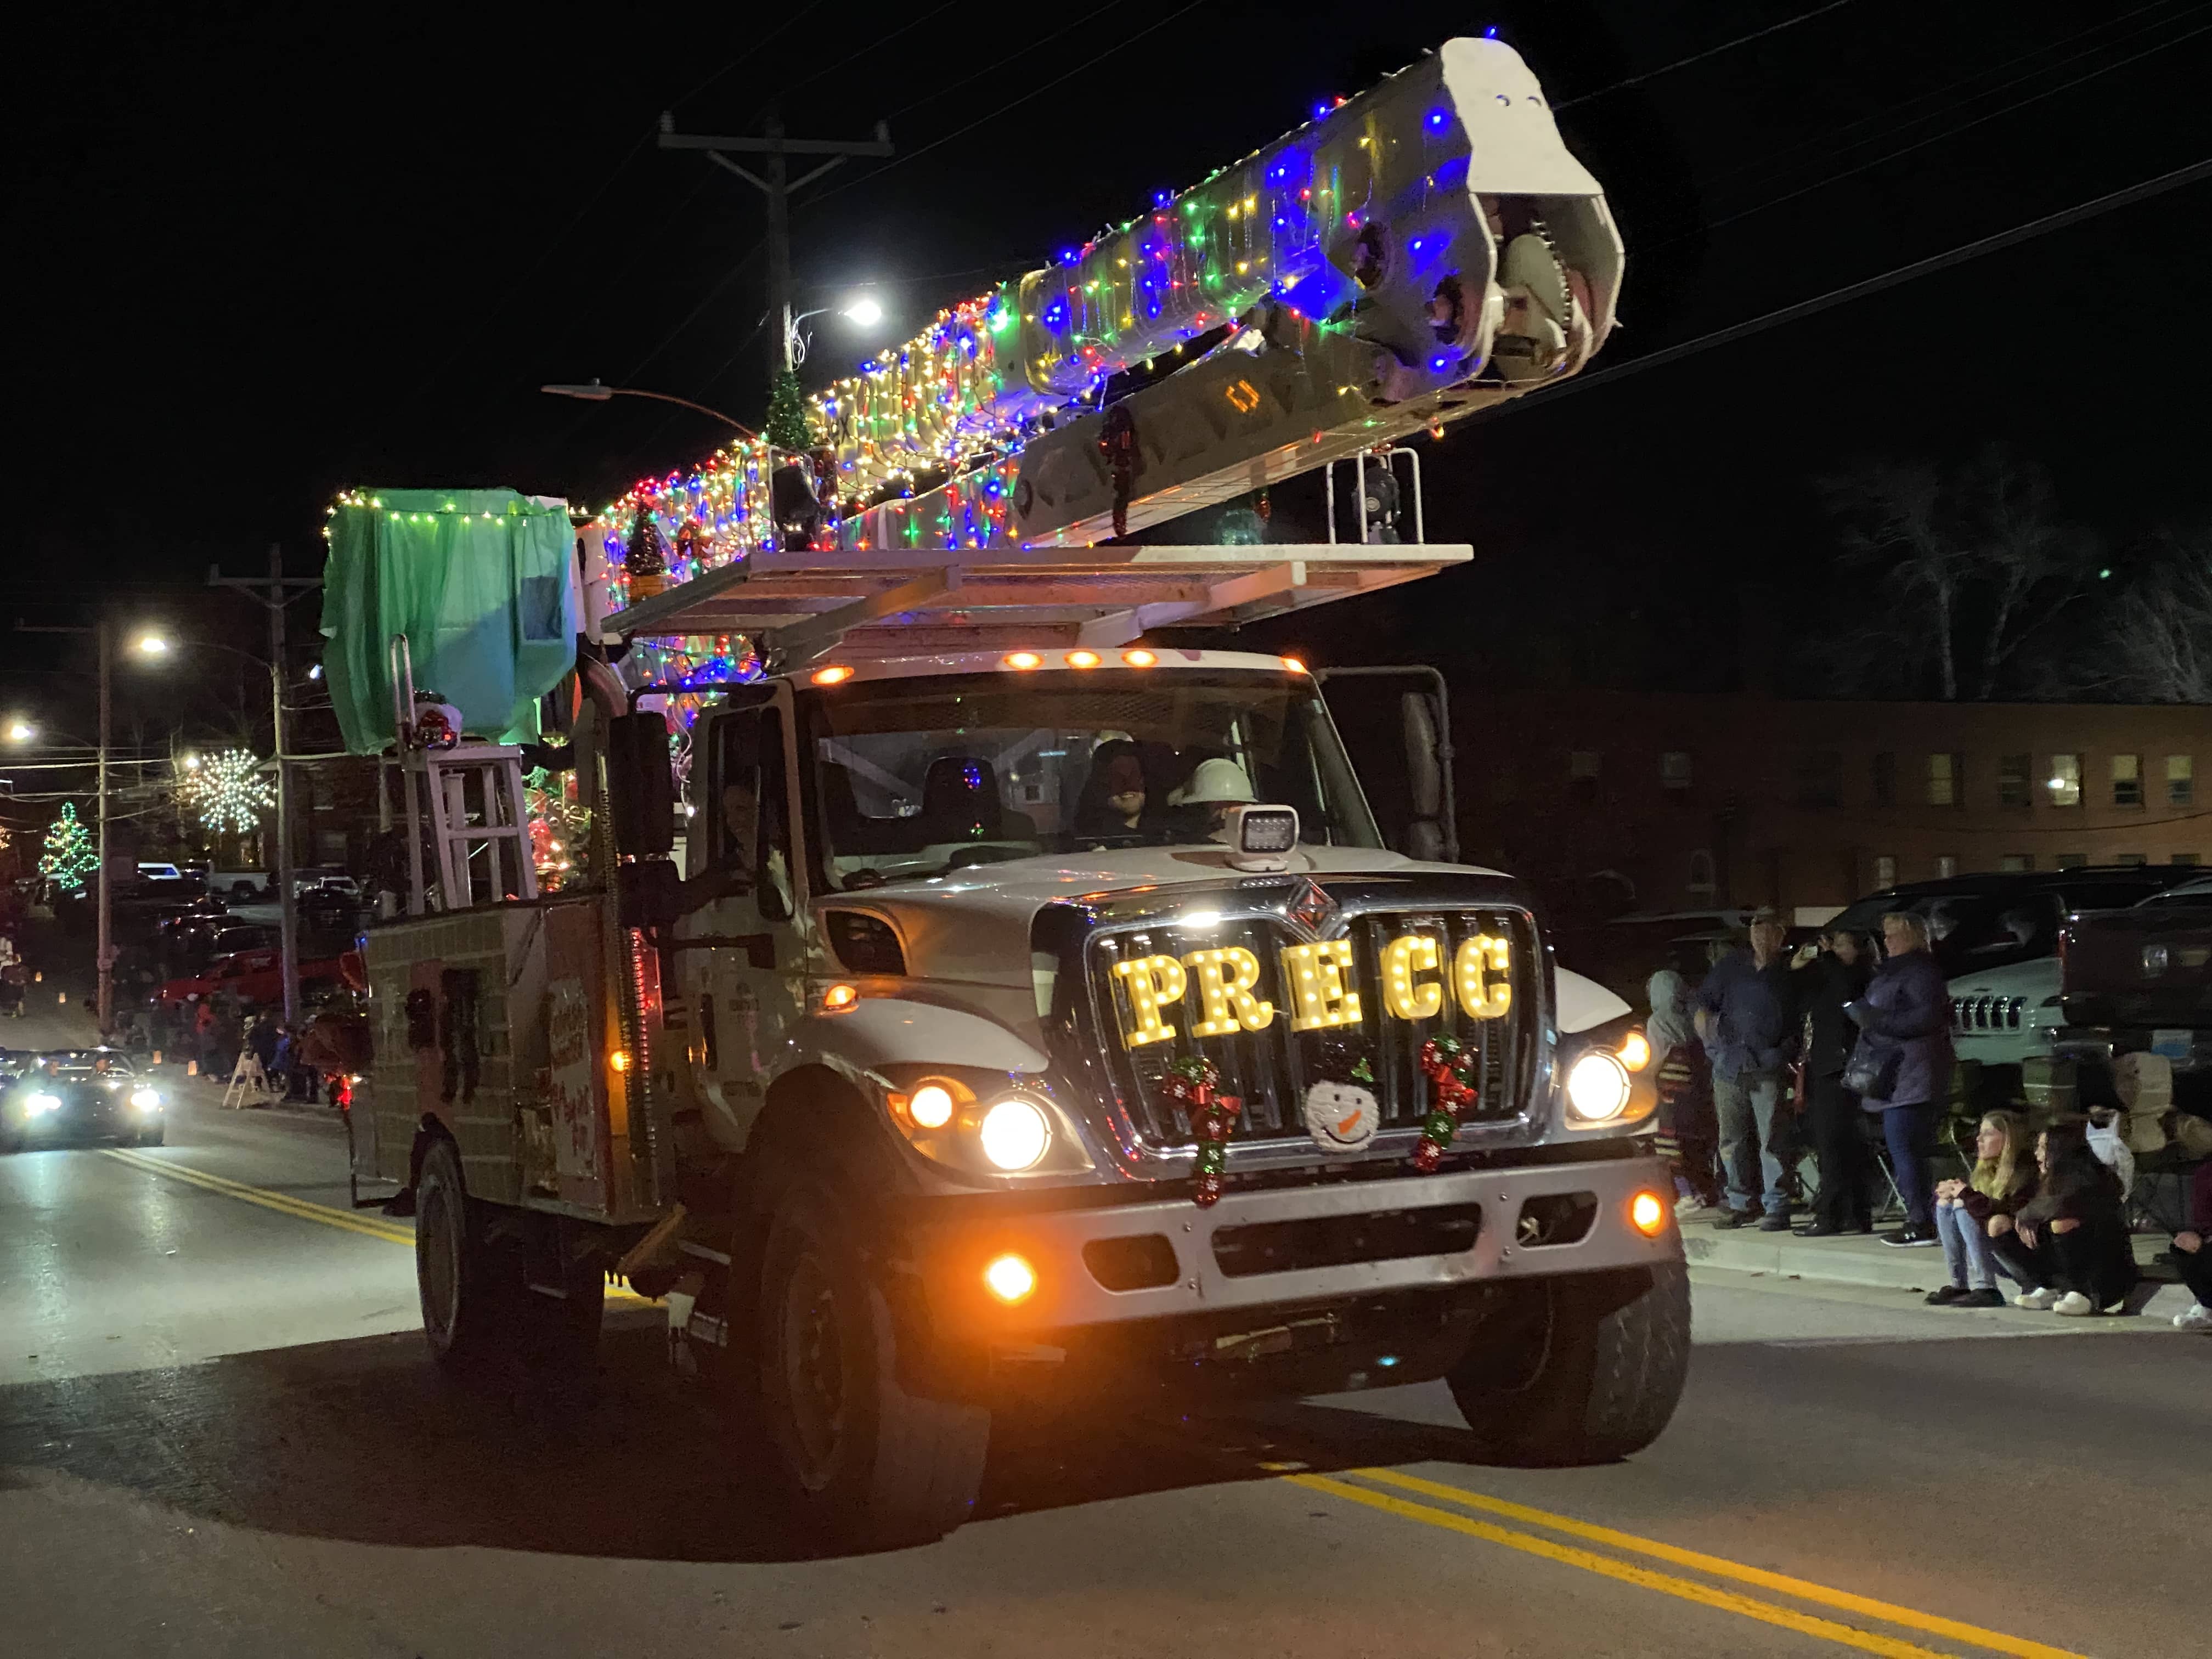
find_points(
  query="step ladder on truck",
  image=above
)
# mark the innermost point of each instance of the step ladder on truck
(1010, 999)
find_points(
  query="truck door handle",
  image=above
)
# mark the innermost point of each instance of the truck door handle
(759, 948)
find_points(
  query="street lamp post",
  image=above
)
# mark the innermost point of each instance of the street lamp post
(592, 391)
(105, 949)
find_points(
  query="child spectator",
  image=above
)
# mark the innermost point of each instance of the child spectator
(1689, 1132)
(2070, 1240)
(1972, 1214)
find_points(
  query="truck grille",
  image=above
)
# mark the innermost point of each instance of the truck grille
(1270, 1070)
(1969, 1014)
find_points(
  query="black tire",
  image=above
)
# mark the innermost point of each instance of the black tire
(470, 1290)
(155, 1136)
(868, 1465)
(1579, 1369)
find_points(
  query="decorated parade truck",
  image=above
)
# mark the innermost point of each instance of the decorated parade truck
(964, 987)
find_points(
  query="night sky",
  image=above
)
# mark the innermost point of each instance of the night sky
(262, 252)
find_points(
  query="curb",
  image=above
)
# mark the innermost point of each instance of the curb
(1846, 1261)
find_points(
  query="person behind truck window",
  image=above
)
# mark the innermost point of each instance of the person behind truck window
(2191, 1261)
(1836, 976)
(1747, 1018)
(1972, 1214)
(1904, 1052)
(1689, 1134)
(2071, 1239)
(1116, 794)
(1216, 785)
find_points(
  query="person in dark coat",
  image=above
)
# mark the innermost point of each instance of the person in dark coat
(1905, 1045)
(2071, 1239)
(1833, 1121)
(1747, 1020)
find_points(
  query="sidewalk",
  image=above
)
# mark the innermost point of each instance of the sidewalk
(1860, 1260)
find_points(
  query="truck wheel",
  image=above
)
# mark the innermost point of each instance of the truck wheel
(871, 1465)
(155, 1136)
(1580, 1370)
(468, 1289)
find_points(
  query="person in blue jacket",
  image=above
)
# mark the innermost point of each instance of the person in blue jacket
(1904, 1052)
(1748, 1017)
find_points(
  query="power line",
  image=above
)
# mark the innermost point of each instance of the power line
(1709, 51)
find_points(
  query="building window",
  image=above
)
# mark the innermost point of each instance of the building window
(1675, 769)
(1885, 780)
(1945, 865)
(1582, 763)
(331, 847)
(2072, 860)
(1820, 778)
(2015, 779)
(2134, 859)
(323, 796)
(2181, 780)
(2064, 783)
(1945, 775)
(1885, 870)
(2127, 781)
(1701, 874)
(2187, 859)
(2013, 864)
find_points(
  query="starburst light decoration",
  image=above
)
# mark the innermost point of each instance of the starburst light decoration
(228, 792)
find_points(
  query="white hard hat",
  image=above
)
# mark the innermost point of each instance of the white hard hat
(1215, 781)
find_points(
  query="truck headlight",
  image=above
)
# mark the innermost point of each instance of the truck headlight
(1597, 1087)
(1015, 1133)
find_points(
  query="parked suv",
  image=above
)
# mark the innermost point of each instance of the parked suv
(1997, 936)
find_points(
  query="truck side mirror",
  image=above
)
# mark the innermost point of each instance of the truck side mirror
(1425, 777)
(641, 803)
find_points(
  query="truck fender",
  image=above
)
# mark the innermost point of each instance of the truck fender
(889, 1031)
(1584, 1003)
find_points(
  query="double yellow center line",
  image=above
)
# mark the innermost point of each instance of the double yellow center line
(352, 1221)
(1665, 1583)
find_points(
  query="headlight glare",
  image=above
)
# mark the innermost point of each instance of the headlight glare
(1597, 1087)
(145, 1100)
(44, 1103)
(1015, 1133)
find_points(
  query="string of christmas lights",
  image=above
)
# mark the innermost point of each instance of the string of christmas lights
(71, 855)
(227, 791)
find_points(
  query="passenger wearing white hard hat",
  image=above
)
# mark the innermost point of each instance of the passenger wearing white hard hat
(1214, 786)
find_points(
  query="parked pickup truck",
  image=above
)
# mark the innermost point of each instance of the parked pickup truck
(251, 976)
(2141, 980)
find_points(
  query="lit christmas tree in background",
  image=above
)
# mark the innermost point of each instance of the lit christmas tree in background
(228, 792)
(72, 854)
(787, 426)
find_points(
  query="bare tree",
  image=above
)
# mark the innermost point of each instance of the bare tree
(1890, 517)
(2158, 638)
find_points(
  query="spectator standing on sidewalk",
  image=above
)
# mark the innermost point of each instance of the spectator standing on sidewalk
(1972, 1214)
(1689, 1135)
(2071, 1238)
(2191, 1260)
(1903, 1064)
(1747, 1019)
(1832, 1121)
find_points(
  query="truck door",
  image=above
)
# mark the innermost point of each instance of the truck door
(742, 965)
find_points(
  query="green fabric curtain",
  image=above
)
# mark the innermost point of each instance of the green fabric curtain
(481, 582)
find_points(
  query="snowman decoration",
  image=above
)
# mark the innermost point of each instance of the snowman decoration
(1341, 1117)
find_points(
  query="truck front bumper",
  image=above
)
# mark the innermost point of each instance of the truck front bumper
(1295, 1245)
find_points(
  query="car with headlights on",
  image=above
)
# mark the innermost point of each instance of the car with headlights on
(73, 1096)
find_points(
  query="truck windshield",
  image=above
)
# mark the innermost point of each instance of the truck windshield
(914, 777)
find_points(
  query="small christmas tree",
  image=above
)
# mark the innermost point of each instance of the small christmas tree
(787, 414)
(71, 856)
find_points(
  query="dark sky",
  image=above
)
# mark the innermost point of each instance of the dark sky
(264, 251)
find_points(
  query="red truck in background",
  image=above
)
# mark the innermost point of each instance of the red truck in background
(252, 977)
(2139, 980)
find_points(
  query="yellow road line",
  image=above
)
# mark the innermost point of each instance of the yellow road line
(282, 1203)
(392, 1232)
(1684, 1590)
(1720, 1567)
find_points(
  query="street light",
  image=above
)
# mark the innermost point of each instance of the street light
(592, 392)
(862, 311)
(151, 645)
(21, 731)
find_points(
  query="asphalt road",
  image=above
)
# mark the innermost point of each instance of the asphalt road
(218, 1434)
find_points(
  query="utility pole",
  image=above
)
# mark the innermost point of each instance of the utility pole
(288, 913)
(777, 186)
(106, 946)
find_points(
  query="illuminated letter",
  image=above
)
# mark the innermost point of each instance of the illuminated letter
(1225, 979)
(1403, 957)
(1152, 982)
(1483, 970)
(1319, 996)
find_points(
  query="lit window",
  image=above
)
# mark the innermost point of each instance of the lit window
(2013, 864)
(2072, 860)
(1675, 769)
(1946, 865)
(1885, 870)
(2190, 858)
(2181, 780)
(2065, 784)
(2015, 779)
(2134, 860)
(1944, 773)
(2127, 781)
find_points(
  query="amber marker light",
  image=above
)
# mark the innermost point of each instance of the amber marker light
(1024, 659)
(1011, 1279)
(1636, 1051)
(841, 998)
(619, 1060)
(1082, 659)
(835, 674)
(1294, 665)
(1647, 1213)
(1140, 658)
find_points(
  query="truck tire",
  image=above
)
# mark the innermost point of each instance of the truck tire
(155, 1136)
(470, 1290)
(1583, 1370)
(868, 1464)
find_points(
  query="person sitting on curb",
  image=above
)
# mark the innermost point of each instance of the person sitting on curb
(2190, 1258)
(1971, 1214)
(2072, 1240)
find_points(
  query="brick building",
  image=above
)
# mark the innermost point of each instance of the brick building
(1705, 800)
